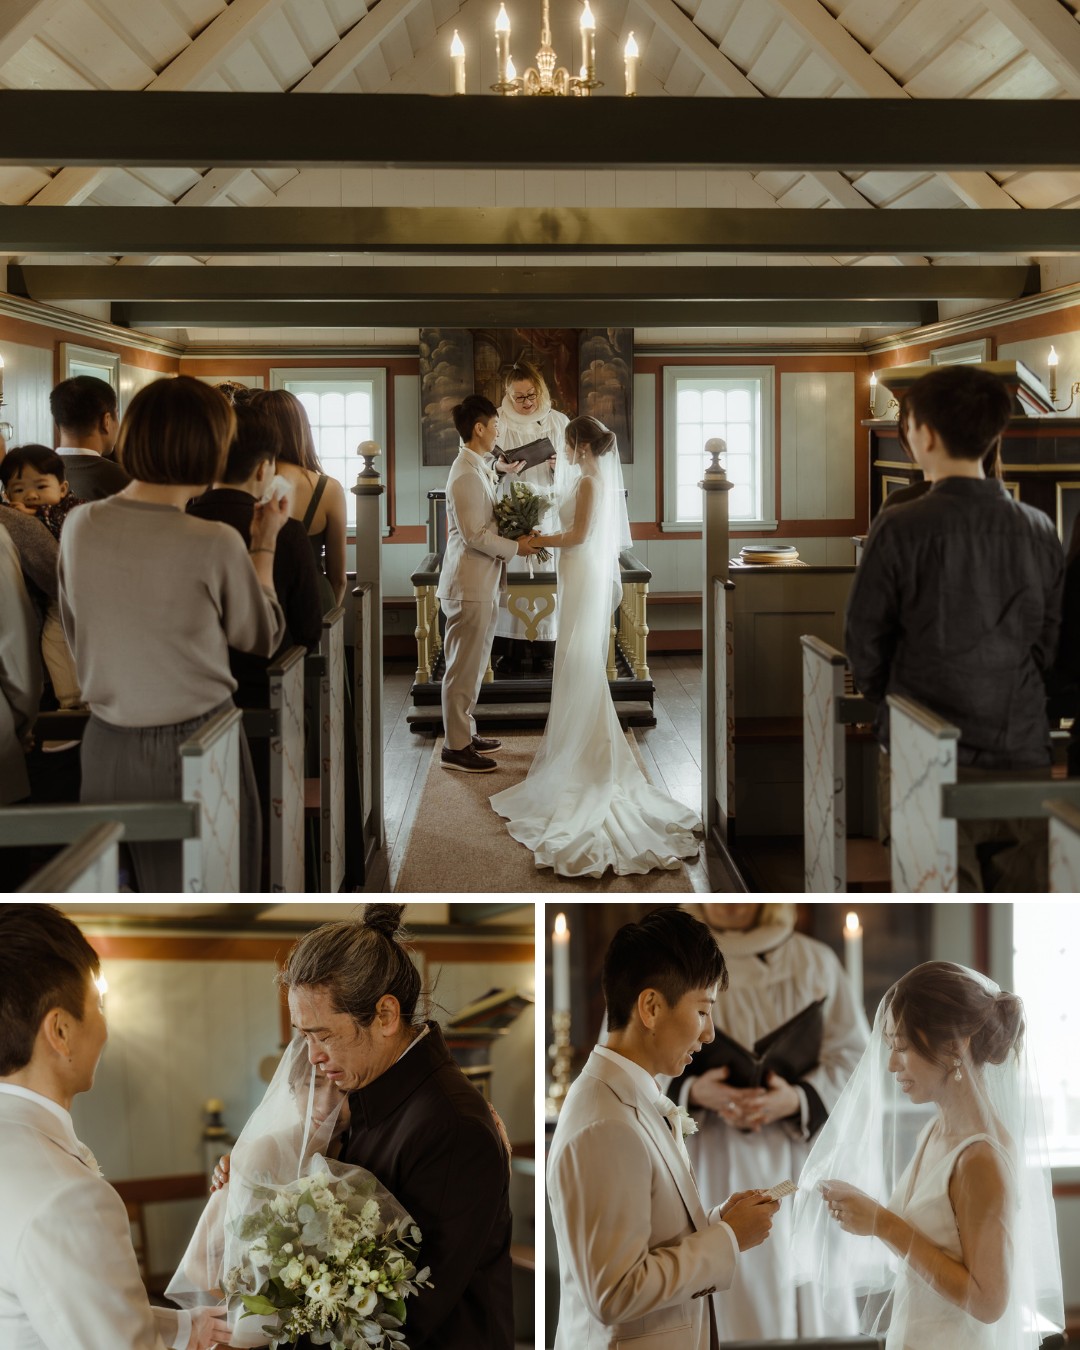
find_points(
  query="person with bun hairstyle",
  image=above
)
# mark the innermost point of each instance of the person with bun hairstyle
(414, 1121)
(585, 805)
(472, 575)
(950, 1236)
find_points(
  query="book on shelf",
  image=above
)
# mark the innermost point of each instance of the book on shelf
(790, 1050)
(493, 1011)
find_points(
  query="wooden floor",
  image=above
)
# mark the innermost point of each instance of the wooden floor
(671, 751)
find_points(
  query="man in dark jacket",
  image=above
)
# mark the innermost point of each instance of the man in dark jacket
(85, 410)
(957, 603)
(416, 1122)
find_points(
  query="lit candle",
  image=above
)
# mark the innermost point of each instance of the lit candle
(853, 956)
(630, 52)
(511, 70)
(873, 391)
(457, 59)
(502, 44)
(588, 40)
(1, 379)
(560, 966)
(1052, 359)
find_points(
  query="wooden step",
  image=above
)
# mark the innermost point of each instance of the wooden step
(635, 713)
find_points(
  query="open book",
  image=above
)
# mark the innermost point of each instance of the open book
(791, 1051)
(536, 452)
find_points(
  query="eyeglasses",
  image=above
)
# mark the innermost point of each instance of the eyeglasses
(522, 399)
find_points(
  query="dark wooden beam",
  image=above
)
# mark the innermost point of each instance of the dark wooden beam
(49, 284)
(512, 230)
(484, 313)
(102, 127)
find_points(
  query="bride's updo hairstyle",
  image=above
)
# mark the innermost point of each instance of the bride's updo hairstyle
(939, 1003)
(591, 434)
(357, 961)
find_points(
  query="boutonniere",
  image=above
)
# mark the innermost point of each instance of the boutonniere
(687, 1124)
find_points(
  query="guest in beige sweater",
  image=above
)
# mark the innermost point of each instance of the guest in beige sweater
(152, 599)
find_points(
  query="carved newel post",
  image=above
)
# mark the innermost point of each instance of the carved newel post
(715, 676)
(368, 640)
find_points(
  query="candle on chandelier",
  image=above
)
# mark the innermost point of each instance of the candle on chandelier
(853, 956)
(588, 40)
(560, 965)
(1, 379)
(630, 52)
(457, 59)
(502, 44)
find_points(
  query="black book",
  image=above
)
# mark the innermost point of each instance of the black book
(536, 452)
(791, 1051)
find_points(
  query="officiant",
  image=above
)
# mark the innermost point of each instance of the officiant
(526, 415)
(751, 1138)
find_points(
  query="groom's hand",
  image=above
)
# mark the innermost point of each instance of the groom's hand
(209, 1326)
(503, 465)
(749, 1215)
(527, 544)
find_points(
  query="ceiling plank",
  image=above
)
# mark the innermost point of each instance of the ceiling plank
(50, 284)
(257, 230)
(1049, 32)
(20, 20)
(396, 131)
(834, 44)
(207, 52)
(541, 312)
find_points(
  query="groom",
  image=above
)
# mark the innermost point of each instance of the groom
(68, 1274)
(473, 573)
(639, 1256)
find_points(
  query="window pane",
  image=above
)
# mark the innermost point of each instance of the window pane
(689, 503)
(332, 409)
(739, 468)
(689, 440)
(311, 405)
(711, 429)
(690, 471)
(738, 409)
(739, 500)
(689, 405)
(358, 407)
(333, 443)
(738, 440)
(713, 405)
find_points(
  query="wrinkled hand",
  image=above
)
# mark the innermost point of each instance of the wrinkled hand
(209, 1327)
(731, 1104)
(853, 1210)
(503, 465)
(776, 1102)
(749, 1215)
(267, 520)
(221, 1174)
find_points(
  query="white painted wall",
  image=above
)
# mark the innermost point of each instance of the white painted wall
(28, 377)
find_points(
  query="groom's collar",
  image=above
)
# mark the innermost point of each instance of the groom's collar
(372, 1104)
(42, 1113)
(644, 1085)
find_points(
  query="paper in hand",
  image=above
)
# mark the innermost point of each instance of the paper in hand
(781, 1189)
(536, 452)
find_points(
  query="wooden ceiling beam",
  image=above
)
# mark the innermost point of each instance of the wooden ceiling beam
(50, 284)
(44, 127)
(1049, 32)
(482, 312)
(254, 230)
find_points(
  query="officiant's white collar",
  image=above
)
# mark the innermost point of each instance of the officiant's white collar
(62, 1115)
(643, 1080)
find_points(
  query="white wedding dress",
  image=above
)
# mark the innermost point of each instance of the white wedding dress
(585, 805)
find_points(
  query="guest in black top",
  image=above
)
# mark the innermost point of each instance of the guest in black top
(86, 411)
(416, 1122)
(248, 473)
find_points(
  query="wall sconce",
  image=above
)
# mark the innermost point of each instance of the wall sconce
(873, 391)
(891, 408)
(1052, 365)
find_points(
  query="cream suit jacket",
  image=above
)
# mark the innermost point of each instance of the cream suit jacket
(68, 1275)
(639, 1257)
(474, 560)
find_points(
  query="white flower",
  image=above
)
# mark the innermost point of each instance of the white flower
(326, 1293)
(362, 1302)
(292, 1274)
(687, 1123)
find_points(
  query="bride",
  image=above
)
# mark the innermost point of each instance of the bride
(950, 1236)
(585, 805)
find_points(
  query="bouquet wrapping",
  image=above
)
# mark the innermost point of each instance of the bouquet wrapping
(331, 1256)
(519, 513)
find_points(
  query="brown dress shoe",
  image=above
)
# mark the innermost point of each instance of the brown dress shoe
(485, 747)
(467, 761)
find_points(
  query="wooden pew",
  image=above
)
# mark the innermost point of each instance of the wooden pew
(206, 820)
(1064, 847)
(329, 726)
(88, 866)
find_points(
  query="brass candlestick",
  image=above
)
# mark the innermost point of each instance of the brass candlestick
(561, 1055)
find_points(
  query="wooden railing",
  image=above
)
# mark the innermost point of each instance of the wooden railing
(88, 866)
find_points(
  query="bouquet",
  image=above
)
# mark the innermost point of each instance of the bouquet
(519, 513)
(327, 1257)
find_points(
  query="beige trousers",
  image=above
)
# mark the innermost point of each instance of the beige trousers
(58, 660)
(470, 627)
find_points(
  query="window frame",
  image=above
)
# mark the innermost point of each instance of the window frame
(766, 377)
(280, 377)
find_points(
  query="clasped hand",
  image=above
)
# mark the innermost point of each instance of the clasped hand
(745, 1108)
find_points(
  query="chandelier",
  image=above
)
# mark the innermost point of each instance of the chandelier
(547, 77)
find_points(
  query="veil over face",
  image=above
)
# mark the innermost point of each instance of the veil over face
(947, 1076)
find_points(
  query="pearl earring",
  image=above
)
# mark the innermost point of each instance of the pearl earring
(957, 1076)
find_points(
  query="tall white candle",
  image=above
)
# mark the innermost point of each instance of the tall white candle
(457, 59)
(853, 956)
(630, 53)
(560, 965)
(502, 43)
(588, 41)
(1, 379)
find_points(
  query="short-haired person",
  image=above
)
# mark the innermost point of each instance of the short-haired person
(957, 603)
(20, 674)
(472, 575)
(85, 411)
(152, 599)
(640, 1259)
(68, 1273)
